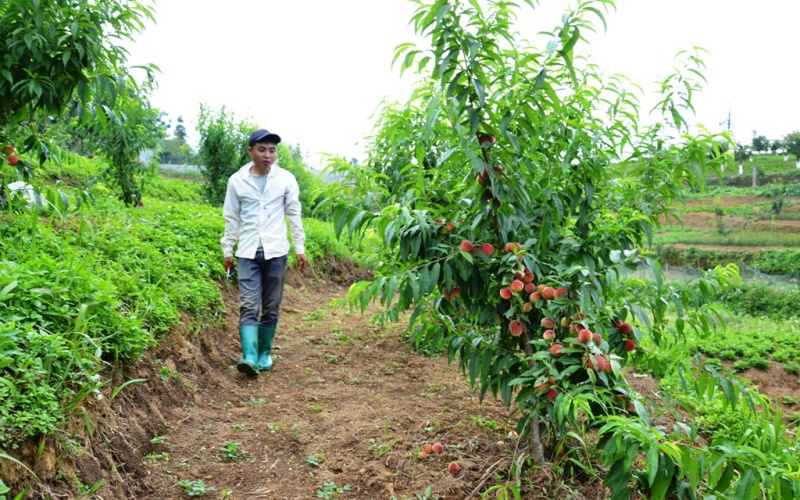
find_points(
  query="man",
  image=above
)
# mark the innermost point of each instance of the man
(259, 195)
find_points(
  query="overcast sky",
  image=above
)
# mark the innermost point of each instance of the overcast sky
(314, 71)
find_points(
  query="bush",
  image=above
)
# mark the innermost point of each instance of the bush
(756, 299)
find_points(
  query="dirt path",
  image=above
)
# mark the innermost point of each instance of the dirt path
(347, 403)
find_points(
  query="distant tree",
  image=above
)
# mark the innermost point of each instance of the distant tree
(180, 131)
(760, 143)
(776, 146)
(742, 153)
(223, 149)
(791, 144)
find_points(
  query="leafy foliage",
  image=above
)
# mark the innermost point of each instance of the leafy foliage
(222, 150)
(561, 189)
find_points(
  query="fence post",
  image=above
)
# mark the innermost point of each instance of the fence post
(755, 177)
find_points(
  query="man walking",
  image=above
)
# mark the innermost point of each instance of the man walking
(259, 195)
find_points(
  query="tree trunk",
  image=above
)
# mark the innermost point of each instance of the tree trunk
(536, 438)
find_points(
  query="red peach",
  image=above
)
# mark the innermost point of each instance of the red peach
(598, 339)
(517, 286)
(561, 291)
(8, 149)
(13, 159)
(630, 345)
(486, 248)
(467, 246)
(515, 327)
(450, 226)
(485, 138)
(609, 368)
(555, 350)
(552, 394)
(541, 287)
(535, 297)
(527, 307)
(426, 448)
(549, 293)
(455, 292)
(505, 293)
(585, 336)
(548, 323)
(528, 277)
(453, 467)
(530, 287)
(549, 335)
(437, 448)
(625, 328)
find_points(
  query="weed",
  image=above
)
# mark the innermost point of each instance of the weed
(155, 457)
(274, 428)
(256, 402)
(231, 451)
(793, 368)
(790, 400)
(241, 427)
(158, 439)
(315, 460)
(330, 491)
(196, 488)
(315, 407)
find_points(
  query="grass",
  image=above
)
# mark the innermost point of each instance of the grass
(686, 235)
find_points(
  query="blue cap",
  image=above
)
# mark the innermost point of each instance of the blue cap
(264, 135)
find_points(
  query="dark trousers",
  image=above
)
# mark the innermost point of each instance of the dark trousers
(261, 284)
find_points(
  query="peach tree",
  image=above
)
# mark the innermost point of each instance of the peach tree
(510, 193)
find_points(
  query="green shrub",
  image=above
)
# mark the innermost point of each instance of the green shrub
(757, 299)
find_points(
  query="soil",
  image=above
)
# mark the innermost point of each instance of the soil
(705, 220)
(776, 383)
(347, 402)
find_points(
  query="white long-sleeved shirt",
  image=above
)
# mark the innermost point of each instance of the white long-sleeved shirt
(255, 218)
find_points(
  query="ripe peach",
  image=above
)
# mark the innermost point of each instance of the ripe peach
(505, 293)
(530, 287)
(8, 150)
(485, 138)
(453, 467)
(499, 171)
(437, 448)
(13, 159)
(552, 394)
(549, 335)
(467, 246)
(527, 307)
(486, 248)
(455, 292)
(549, 293)
(535, 297)
(543, 387)
(515, 327)
(426, 448)
(598, 339)
(450, 226)
(585, 336)
(540, 288)
(555, 350)
(609, 368)
(625, 328)
(598, 363)
(548, 323)
(528, 276)
(630, 345)
(517, 286)
(422, 455)
(561, 291)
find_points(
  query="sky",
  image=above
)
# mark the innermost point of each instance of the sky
(316, 71)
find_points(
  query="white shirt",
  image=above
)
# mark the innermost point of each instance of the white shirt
(255, 218)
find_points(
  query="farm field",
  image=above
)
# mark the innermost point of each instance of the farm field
(510, 293)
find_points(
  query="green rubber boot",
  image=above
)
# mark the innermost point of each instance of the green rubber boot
(248, 336)
(265, 336)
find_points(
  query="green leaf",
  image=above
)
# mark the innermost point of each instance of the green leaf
(652, 464)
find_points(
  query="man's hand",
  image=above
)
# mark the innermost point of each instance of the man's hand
(227, 262)
(302, 262)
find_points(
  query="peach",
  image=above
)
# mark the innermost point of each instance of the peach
(467, 246)
(517, 286)
(505, 293)
(548, 323)
(585, 336)
(549, 293)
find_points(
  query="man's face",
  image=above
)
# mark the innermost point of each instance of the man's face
(263, 154)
